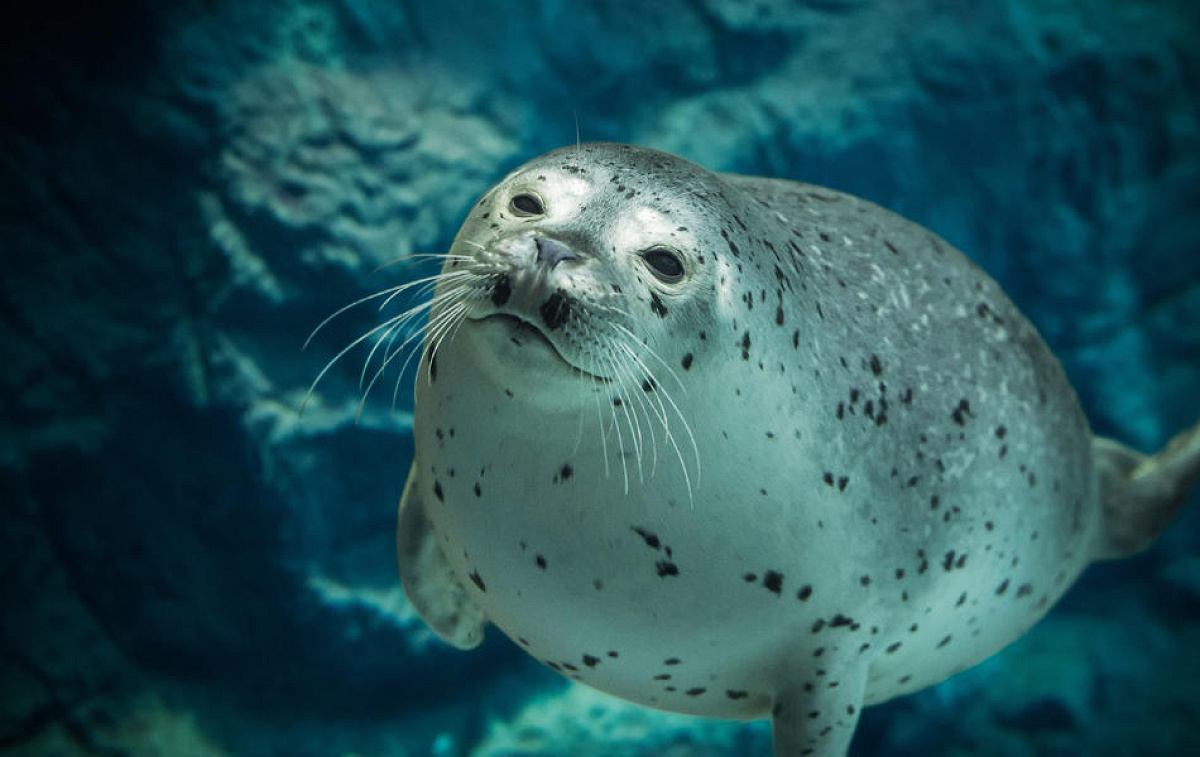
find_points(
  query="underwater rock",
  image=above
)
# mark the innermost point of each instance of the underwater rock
(190, 190)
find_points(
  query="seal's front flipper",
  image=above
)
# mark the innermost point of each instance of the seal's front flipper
(1141, 493)
(428, 580)
(816, 714)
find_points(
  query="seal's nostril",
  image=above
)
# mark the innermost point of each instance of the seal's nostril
(551, 253)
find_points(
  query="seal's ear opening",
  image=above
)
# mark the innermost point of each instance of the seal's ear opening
(1140, 494)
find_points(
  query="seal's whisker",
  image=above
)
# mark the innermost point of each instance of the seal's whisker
(400, 322)
(426, 283)
(644, 404)
(416, 256)
(669, 435)
(343, 309)
(653, 353)
(619, 402)
(391, 353)
(312, 387)
(631, 420)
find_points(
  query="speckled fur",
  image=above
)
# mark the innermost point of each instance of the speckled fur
(895, 477)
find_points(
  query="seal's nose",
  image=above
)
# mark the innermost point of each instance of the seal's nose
(550, 252)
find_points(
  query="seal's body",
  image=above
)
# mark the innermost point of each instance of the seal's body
(742, 447)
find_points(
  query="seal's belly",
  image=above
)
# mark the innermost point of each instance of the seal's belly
(700, 603)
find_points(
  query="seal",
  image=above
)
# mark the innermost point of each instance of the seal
(745, 448)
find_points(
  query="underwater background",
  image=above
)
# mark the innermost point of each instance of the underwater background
(188, 566)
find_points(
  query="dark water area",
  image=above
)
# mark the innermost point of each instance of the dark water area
(189, 566)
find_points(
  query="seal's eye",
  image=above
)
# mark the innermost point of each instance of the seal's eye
(526, 204)
(664, 264)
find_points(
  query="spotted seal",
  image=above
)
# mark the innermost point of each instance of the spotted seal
(745, 448)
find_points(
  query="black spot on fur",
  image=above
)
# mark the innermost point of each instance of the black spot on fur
(876, 366)
(746, 346)
(656, 304)
(590, 661)
(478, 581)
(541, 562)
(555, 310)
(666, 568)
(501, 290)
(773, 581)
(687, 361)
(736, 694)
(804, 593)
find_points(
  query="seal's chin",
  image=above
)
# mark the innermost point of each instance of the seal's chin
(521, 341)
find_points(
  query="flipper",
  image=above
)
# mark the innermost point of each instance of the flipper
(428, 580)
(815, 715)
(1140, 493)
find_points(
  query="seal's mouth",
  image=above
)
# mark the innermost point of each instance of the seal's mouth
(521, 333)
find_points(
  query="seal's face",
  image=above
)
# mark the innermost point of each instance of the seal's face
(580, 265)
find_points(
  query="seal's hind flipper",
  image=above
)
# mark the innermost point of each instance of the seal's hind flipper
(1141, 493)
(816, 716)
(429, 582)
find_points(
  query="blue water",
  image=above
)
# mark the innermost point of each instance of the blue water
(190, 567)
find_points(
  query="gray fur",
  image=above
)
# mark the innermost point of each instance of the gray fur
(891, 476)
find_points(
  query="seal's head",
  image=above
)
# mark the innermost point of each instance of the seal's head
(585, 263)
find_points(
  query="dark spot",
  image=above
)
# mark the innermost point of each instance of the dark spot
(796, 339)
(865, 580)
(839, 621)
(842, 483)
(1001, 431)
(687, 361)
(899, 573)
(891, 649)
(746, 346)
(814, 714)
(944, 642)
(696, 691)
(437, 491)
(962, 598)
(478, 490)
(666, 568)
(478, 581)
(804, 593)
(773, 581)
(876, 366)
(736, 694)
(663, 677)
(818, 625)
(590, 661)
(828, 478)
(779, 315)
(501, 290)
(657, 305)
(613, 655)
(1024, 590)
(750, 578)
(433, 367)
(1003, 587)
(651, 540)
(566, 472)
(541, 562)
(555, 310)
(671, 661)
(948, 562)
(841, 410)
(961, 411)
